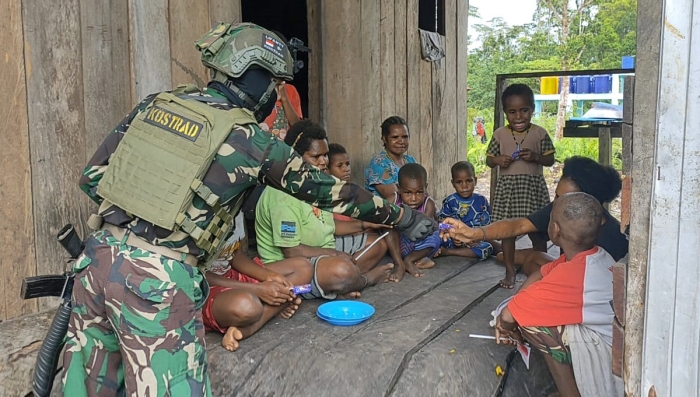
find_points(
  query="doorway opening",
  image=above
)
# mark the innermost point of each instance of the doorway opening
(289, 18)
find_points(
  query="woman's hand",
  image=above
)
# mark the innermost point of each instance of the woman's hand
(273, 293)
(281, 91)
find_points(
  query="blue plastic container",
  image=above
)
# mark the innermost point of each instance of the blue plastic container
(572, 84)
(583, 85)
(628, 62)
(345, 312)
(602, 84)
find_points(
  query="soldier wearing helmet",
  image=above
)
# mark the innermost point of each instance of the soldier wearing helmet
(169, 180)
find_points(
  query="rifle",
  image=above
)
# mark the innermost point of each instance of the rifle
(53, 285)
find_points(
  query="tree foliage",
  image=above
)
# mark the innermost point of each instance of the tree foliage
(599, 33)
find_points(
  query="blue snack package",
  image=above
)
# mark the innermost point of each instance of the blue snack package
(301, 289)
(444, 226)
(515, 155)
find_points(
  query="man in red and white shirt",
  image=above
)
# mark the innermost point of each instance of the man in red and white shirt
(568, 301)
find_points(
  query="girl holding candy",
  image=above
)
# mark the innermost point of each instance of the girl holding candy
(519, 150)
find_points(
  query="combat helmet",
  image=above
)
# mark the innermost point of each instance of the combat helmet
(229, 50)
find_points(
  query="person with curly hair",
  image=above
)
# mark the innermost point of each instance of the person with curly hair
(580, 174)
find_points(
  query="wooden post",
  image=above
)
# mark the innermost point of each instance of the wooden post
(650, 15)
(497, 123)
(604, 146)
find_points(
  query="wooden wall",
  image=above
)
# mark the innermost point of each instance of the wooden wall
(370, 68)
(71, 71)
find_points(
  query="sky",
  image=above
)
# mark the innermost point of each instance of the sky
(514, 12)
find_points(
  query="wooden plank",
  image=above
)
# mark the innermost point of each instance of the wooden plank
(627, 149)
(54, 82)
(387, 64)
(105, 49)
(224, 11)
(400, 66)
(650, 15)
(683, 374)
(498, 122)
(669, 214)
(604, 146)
(20, 341)
(628, 100)
(17, 256)
(314, 16)
(188, 22)
(445, 130)
(371, 74)
(331, 365)
(150, 48)
(414, 106)
(453, 364)
(343, 87)
(426, 105)
(461, 78)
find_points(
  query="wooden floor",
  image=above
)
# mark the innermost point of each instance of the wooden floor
(416, 344)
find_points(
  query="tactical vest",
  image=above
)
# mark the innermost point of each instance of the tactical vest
(159, 164)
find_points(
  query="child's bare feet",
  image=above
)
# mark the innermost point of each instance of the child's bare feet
(425, 263)
(231, 339)
(397, 274)
(350, 295)
(509, 281)
(379, 274)
(291, 308)
(413, 270)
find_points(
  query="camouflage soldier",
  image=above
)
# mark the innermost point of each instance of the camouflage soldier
(169, 180)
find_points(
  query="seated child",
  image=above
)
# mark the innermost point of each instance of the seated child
(339, 167)
(563, 309)
(471, 208)
(412, 185)
(244, 294)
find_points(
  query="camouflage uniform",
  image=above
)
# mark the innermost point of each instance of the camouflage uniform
(136, 319)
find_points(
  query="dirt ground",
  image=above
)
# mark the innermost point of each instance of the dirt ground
(551, 175)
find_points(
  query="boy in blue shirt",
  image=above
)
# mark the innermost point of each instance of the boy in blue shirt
(471, 208)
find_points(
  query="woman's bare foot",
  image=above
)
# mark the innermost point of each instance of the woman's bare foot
(425, 263)
(291, 308)
(231, 338)
(413, 270)
(379, 274)
(509, 281)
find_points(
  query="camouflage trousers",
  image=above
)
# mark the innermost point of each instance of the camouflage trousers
(136, 327)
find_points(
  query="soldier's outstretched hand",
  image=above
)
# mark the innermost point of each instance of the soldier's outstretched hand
(415, 225)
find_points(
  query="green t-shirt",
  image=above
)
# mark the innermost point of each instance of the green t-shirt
(282, 221)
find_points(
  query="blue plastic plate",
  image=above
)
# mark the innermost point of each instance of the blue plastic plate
(345, 312)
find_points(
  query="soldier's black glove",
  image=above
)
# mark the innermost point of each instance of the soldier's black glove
(415, 225)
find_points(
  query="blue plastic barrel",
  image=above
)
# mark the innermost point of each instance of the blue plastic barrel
(628, 62)
(602, 84)
(583, 84)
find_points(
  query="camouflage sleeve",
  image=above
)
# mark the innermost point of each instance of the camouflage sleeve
(284, 169)
(92, 174)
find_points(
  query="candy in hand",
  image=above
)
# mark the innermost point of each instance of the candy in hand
(444, 227)
(301, 289)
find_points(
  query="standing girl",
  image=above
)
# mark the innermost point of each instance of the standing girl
(519, 149)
